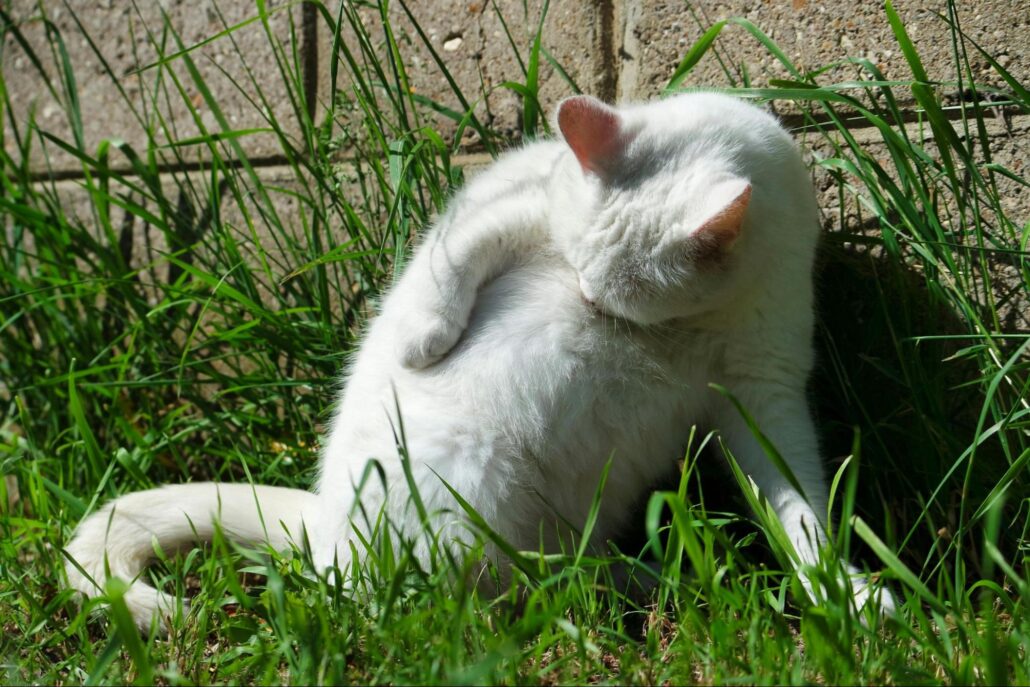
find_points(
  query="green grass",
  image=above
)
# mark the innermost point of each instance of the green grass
(210, 350)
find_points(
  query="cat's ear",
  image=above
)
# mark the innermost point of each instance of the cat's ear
(594, 132)
(722, 229)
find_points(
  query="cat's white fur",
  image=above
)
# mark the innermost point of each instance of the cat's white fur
(571, 305)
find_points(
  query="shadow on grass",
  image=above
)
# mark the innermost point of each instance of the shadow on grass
(889, 365)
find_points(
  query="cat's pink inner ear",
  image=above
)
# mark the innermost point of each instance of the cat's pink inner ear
(593, 131)
(724, 227)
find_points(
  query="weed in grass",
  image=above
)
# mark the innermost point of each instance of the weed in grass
(159, 325)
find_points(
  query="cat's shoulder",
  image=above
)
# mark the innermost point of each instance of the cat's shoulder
(526, 169)
(529, 160)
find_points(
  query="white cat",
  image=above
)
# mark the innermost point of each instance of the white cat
(572, 305)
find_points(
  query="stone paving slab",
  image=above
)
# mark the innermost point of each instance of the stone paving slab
(120, 33)
(656, 34)
(1009, 141)
(470, 39)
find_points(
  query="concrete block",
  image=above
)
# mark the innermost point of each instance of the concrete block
(1009, 142)
(470, 39)
(120, 31)
(657, 34)
(1008, 139)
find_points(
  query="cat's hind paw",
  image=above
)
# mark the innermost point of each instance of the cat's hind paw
(421, 344)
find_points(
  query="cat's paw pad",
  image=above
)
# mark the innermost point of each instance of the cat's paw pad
(424, 343)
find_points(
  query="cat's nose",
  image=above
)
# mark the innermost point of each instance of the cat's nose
(587, 293)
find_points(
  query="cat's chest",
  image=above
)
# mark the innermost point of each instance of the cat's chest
(632, 393)
(584, 383)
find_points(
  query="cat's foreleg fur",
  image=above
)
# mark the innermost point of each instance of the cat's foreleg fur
(435, 297)
(782, 415)
(471, 245)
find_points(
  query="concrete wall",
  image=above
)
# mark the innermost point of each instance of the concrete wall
(616, 49)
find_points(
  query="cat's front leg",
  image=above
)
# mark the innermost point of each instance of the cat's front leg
(782, 415)
(435, 297)
(433, 317)
(784, 418)
(468, 248)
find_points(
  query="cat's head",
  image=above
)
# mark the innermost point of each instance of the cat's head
(660, 200)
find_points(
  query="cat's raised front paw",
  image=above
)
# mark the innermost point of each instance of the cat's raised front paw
(422, 343)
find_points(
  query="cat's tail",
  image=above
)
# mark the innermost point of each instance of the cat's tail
(119, 540)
